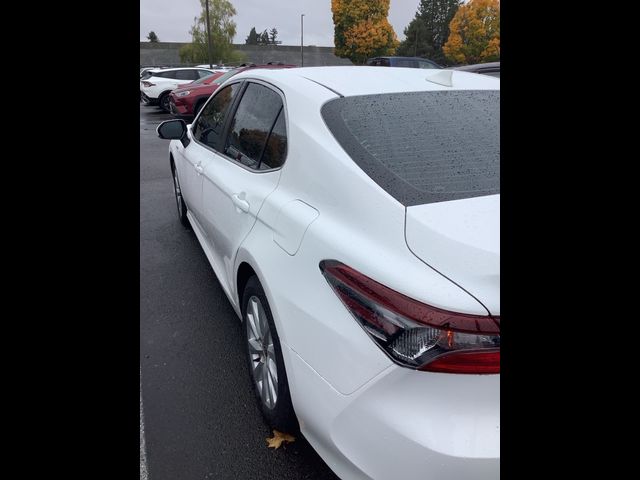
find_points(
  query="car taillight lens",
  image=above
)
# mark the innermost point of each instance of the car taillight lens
(148, 84)
(412, 333)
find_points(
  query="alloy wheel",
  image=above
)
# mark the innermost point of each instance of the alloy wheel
(262, 353)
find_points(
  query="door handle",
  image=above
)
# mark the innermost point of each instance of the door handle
(240, 202)
(199, 169)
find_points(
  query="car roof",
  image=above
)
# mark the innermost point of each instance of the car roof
(364, 80)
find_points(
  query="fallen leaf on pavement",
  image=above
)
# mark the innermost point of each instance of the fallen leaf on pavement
(278, 438)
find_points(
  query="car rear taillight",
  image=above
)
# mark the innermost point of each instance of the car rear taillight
(148, 84)
(412, 333)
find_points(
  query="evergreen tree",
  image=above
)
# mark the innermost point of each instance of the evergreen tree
(252, 39)
(264, 38)
(427, 33)
(273, 34)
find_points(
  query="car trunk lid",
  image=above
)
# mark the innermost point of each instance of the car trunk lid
(461, 240)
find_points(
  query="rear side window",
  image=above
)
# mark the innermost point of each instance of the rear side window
(255, 118)
(208, 127)
(186, 75)
(405, 63)
(203, 73)
(423, 147)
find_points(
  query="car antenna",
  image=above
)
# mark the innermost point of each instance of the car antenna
(442, 77)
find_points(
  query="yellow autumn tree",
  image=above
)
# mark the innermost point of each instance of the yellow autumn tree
(361, 29)
(475, 33)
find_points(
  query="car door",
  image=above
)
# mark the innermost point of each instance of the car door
(243, 172)
(205, 133)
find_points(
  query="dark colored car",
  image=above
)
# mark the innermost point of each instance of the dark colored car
(186, 101)
(490, 68)
(410, 62)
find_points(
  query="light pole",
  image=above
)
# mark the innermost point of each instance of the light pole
(208, 33)
(302, 40)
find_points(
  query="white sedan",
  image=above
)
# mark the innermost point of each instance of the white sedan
(351, 215)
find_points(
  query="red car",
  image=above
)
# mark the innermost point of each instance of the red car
(186, 101)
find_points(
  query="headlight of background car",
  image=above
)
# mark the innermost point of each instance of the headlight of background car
(183, 94)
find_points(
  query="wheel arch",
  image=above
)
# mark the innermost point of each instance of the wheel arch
(244, 273)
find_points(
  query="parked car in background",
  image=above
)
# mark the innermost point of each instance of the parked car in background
(358, 241)
(185, 102)
(156, 85)
(410, 62)
(490, 68)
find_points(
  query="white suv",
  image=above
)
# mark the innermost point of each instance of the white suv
(157, 84)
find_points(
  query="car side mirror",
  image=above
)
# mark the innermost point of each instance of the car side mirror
(172, 129)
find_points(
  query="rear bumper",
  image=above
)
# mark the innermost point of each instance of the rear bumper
(402, 424)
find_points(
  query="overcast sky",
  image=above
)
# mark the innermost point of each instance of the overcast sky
(172, 19)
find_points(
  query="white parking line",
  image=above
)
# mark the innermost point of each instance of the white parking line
(144, 475)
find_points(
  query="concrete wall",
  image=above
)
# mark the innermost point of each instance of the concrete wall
(167, 53)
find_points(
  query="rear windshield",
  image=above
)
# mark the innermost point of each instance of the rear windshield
(423, 147)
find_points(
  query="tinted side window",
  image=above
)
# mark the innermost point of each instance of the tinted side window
(276, 149)
(406, 63)
(250, 127)
(384, 62)
(186, 75)
(171, 74)
(208, 128)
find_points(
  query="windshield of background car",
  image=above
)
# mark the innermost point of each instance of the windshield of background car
(201, 80)
(224, 77)
(423, 147)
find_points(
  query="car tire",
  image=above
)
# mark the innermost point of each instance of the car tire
(264, 358)
(182, 207)
(163, 102)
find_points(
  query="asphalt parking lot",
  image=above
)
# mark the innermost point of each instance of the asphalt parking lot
(200, 417)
